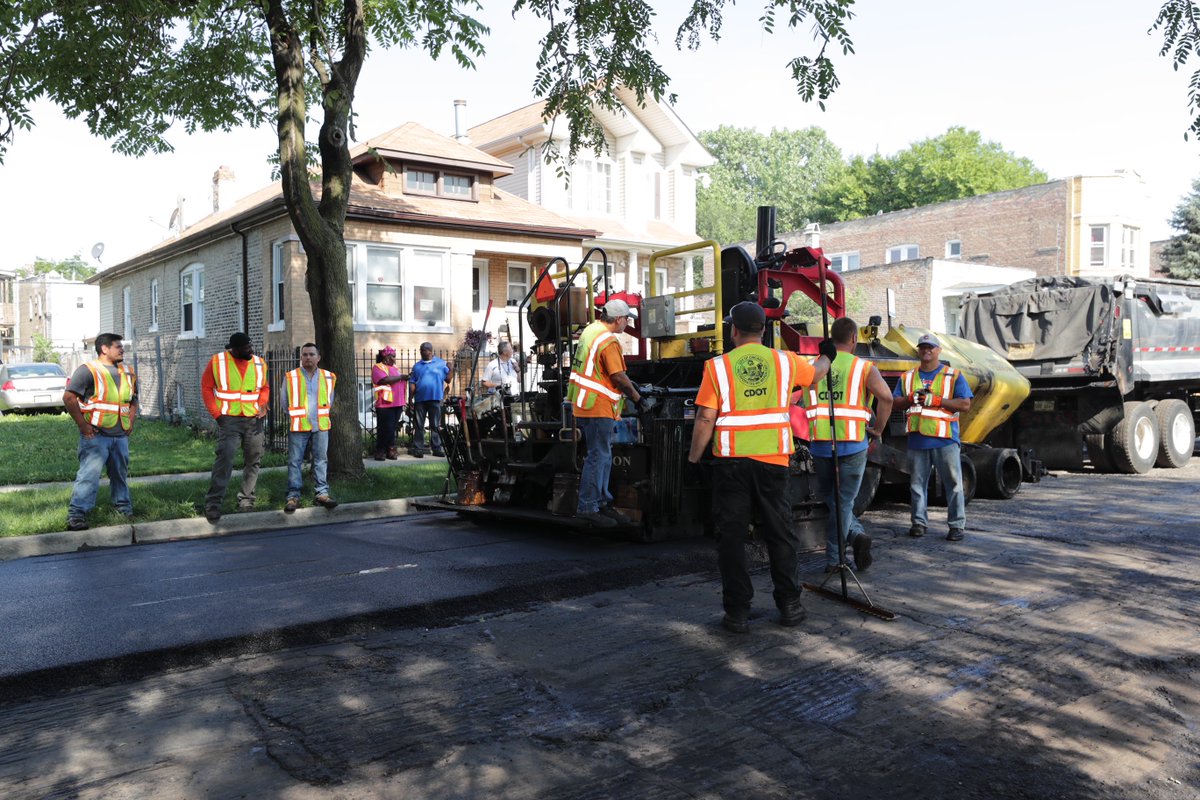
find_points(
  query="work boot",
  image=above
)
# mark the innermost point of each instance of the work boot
(291, 505)
(616, 516)
(439, 453)
(212, 514)
(380, 455)
(393, 454)
(862, 551)
(326, 501)
(77, 524)
(736, 622)
(245, 505)
(792, 614)
(955, 535)
(916, 531)
(597, 519)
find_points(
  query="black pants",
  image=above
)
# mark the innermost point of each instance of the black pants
(386, 420)
(742, 486)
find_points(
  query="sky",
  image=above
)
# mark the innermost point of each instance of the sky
(1077, 86)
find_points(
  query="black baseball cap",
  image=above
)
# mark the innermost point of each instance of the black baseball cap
(238, 339)
(747, 316)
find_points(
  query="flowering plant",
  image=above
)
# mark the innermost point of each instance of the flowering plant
(475, 339)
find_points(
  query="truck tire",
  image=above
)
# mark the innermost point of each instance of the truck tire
(970, 482)
(1134, 440)
(867, 489)
(1098, 452)
(998, 470)
(1176, 433)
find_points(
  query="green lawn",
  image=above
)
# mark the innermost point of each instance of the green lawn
(44, 510)
(39, 449)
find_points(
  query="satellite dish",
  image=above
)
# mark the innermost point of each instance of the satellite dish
(97, 250)
(174, 218)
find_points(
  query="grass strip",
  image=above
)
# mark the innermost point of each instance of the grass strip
(33, 511)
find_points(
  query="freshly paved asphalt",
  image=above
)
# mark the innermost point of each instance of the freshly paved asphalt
(77, 617)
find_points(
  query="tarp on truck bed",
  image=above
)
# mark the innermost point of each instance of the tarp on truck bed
(1043, 318)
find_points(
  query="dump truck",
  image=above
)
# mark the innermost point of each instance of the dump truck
(1113, 367)
(519, 457)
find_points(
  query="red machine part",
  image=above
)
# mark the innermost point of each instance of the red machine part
(800, 270)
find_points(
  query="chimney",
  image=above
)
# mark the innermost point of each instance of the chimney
(460, 126)
(222, 175)
(812, 235)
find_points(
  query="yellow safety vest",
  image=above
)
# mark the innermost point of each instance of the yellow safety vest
(934, 422)
(587, 384)
(297, 399)
(755, 387)
(109, 404)
(851, 411)
(238, 396)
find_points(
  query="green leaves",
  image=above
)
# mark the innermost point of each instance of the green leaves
(1181, 255)
(1179, 21)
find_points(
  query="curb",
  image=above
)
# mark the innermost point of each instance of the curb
(173, 530)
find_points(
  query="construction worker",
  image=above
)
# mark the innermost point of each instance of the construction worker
(310, 401)
(743, 400)
(101, 397)
(389, 385)
(853, 380)
(933, 395)
(597, 382)
(235, 391)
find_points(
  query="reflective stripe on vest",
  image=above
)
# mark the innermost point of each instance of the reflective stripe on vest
(232, 390)
(383, 393)
(852, 414)
(109, 404)
(932, 422)
(585, 381)
(755, 384)
(297, 397)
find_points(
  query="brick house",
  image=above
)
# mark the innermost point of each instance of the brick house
(425, 218)
(1087, 226)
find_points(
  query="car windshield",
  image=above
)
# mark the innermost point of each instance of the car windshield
(35, 371)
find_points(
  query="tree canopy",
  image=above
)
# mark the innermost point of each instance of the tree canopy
(73, 268)
(1181, 254)
(957, 164)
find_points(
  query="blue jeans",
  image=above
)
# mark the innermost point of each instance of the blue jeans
(850, 473)
(297, 443)
(949, 469)
(431, 410)
(95, 453)
(597, 466)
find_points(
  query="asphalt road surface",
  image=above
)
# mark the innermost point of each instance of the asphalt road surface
(1052, 654)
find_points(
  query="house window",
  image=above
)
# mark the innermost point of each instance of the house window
(127, 304)
(903, 252)
(79, 302)
(399, 287)
(1129, 244)
(457, 185)
(420, 181)
(954, 248)
(479, 284)
(385, 292)
(277, 274)
(350, 272)
(429, 293)
(191, 301)
(518, 282)
(843, 262)
(154, 305)
(1099, 246)
(660, 280)
(591, 187)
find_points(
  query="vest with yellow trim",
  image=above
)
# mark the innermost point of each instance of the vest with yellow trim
(109, 404)
(297, 399)
(926, 420)
(587, 384)
(238, 396)
(755, 386)
(851, 412)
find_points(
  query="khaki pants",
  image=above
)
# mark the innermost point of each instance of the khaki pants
(234, 433)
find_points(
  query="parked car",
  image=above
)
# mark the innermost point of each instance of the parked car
(32, 387)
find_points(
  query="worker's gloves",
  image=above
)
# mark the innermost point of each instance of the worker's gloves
(827, 349)
(644, 405)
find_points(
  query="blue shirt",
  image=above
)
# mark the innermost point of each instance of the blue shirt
(919, 441)
(429, 380)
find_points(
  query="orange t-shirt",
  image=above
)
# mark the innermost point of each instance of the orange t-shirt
(611, 361)
(709, 395)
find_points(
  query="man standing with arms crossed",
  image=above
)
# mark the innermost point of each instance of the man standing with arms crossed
(310, 400)
(934, 394)
(852, 380)
(235, 391)
(597, 382)
(743, 400)
(102, 399)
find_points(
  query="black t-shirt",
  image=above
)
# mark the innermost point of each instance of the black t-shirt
(84, 385)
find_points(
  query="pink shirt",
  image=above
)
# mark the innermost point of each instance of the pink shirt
(399, 389)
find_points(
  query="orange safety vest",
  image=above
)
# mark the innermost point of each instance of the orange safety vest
(755, 386)
(587, 384)
(297, 399)
(851, 412)
(109, 404)
(933, 422)
(238, 395)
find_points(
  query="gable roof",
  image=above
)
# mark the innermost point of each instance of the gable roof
(509, 126)
(413, 142)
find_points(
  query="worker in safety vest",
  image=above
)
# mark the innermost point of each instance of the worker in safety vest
(933, 395)
(389, 386)
(310, 401)
(854, 381)
(742, 408)
(597, 383)
(235, 391)
(102, 399)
